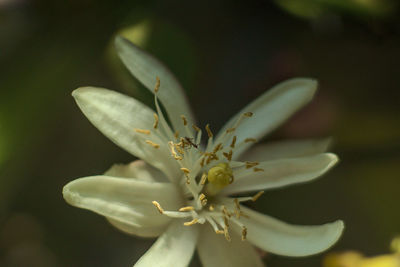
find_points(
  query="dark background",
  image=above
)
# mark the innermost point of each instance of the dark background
(226, 53)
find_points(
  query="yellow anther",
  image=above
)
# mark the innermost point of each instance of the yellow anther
(257, 196)
(219, 232)
(247, 140)
(158, 206)
(197, 129)
(203, 179)
(225, 212)
(155, 125)
(202, 162)
(251, 164)
(211, 207)
(152, 144)
(248, 114)
(230, 130)
(226, 233)
(185, 170)
(210, 134)
(237, 208)
(176, 135)
(258, 170)
(142, 131)
(228, 156)
(157, 87)
(187, 208)
(217, 148)
(220, 176)
(233, 141)
(244, 233)
(226, 221)
(194, 221)
(203, 199)
(184, 120)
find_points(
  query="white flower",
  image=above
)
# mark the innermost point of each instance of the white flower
(180, 189)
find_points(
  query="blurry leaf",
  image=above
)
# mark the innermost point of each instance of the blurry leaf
(312, 9)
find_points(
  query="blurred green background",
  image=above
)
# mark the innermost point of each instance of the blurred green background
(224, 52)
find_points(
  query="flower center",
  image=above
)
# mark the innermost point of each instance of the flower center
(206, 171)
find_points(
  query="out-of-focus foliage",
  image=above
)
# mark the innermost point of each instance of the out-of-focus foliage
(356, 259)
(313, 9)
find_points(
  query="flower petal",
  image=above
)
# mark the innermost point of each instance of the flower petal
(146, 68)
(281, 172)
(215, 251)
(137, 169)
(281, 238)
(286, 149)
(117, 116)
(175, 247)
(270, 110)
(127, 202)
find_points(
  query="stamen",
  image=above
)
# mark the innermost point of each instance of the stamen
(142, 131)
(211, 207)
(155, 125)
(219, 232)
(152, 144)
(197, 129)
(230, 130)
(247, 140)
(248, 114)
(187, 208)
(226, 212)
(244, 233)
(194, 221)
(184, 120)
(258, 170)
(226, 233)
(157, 87)
(210, 134)
(257, 196)
(176, 135)
(228, 156)
(226, 221)
(185, 170)
(203, 179)
(203, 199)
(251, 164)
(237, 208)
(217, 148)
(233, 141)
(171, 146)
(158, 206)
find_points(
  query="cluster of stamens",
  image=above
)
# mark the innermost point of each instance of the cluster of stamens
(206, 171)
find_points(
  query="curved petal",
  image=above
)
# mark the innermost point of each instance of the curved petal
(270, 110)
(127, 202)
(281, 238)
(215, 251)
(117, 116)
(136, 169)
(146, 68)
(175, 247)
(286, 149)
(282, 172)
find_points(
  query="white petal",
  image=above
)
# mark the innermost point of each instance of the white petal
(137, 169)
(117, 116)
(127, 202)
(146, 68)
(281, 238)
(215, 251)
(286, 149)
(282, 172)
(271, 109)
(175, 247)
